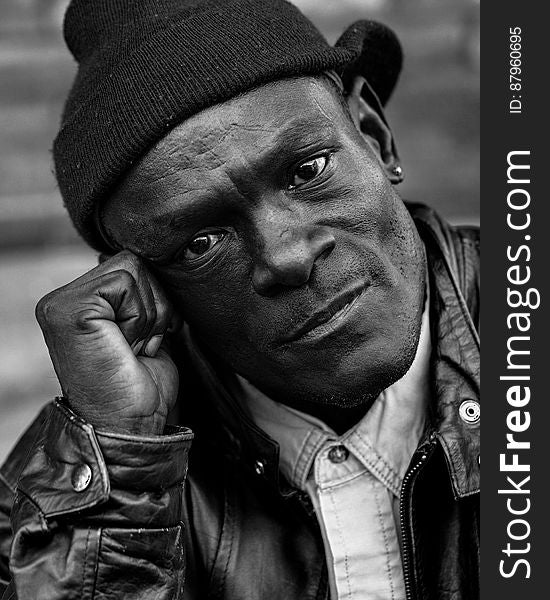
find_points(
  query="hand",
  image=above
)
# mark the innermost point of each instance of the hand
(106, 333)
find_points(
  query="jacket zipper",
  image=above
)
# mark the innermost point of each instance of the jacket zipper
(307, 505)
(425, 451)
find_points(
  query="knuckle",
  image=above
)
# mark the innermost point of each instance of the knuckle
(127, 255)
(46, 310)
(81, 320)
(124, 278)
(129, 261)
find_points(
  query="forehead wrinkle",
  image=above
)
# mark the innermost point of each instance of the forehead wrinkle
(176, 175)
(322, 109)
(188, 142)
(249, 160)
(307, 128)
(244, 165)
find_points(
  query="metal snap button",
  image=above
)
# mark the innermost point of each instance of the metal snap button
(259, 467)
(469, 412)
(338, 454)
(81, 478)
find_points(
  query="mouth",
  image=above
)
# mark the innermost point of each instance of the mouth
(328, 318)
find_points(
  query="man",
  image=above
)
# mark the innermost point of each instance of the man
(264, 290)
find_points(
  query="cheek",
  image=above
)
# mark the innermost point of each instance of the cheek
(403, 242)
(214, 307)
(389, 231)
(386, 219)
(371, 196)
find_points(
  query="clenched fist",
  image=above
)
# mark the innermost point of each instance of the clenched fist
(105, 332)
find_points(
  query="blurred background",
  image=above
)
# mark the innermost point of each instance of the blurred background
(434, 114)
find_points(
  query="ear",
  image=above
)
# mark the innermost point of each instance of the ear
(370, 122)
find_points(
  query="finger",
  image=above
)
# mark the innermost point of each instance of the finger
(129, 262)
(123, 295)
(165, 316)
(136, 268)
(165, 373)
(150, 312)
(108, 264)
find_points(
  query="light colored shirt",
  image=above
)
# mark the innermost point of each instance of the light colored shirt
(354, 480)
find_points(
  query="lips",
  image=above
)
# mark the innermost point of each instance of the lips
(327, 315)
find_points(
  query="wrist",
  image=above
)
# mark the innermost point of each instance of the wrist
(117, 421)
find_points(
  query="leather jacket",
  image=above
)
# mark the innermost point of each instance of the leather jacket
(102, 515)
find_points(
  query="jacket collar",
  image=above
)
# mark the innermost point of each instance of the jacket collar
(455, 372)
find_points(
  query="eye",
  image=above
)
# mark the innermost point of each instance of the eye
(308, 171)
(202, 244)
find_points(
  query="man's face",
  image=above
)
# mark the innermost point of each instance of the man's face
(272, 225)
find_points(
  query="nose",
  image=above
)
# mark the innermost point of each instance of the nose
(287, 253)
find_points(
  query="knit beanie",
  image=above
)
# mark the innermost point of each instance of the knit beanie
(146, 65)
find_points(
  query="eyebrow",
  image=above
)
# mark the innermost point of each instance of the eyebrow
(308, 132)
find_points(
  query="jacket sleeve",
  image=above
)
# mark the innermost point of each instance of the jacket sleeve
(95, 514)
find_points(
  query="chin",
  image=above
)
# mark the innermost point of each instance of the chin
(357, 369)
(342, 378)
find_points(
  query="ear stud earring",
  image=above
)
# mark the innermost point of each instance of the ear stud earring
(398, 171)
